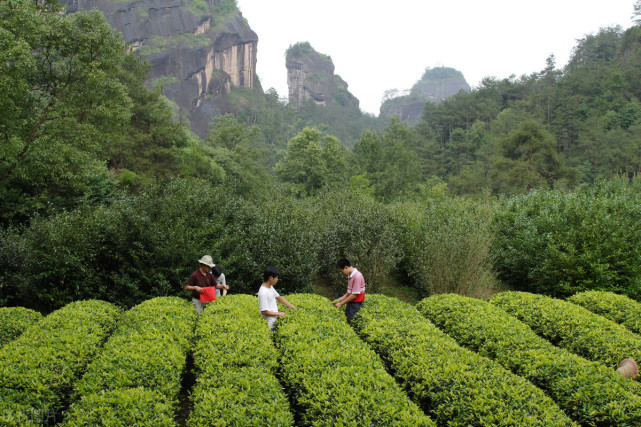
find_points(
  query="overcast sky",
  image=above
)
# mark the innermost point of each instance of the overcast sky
(380, 45)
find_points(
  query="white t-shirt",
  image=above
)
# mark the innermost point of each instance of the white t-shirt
(220, 281)
(267, 301)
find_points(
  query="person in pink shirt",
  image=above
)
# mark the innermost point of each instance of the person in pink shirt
(353, 299)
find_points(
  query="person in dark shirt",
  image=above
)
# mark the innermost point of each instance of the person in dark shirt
(200, 279)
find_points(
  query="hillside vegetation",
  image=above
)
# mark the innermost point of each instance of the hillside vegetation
(527, 183)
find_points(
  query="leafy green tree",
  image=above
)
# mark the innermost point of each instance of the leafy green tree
(390, 161)
(236, 149)
(60, 98)
(339, 162)
(528, 159)
(561, 242)
(150, 145)
(304, 165)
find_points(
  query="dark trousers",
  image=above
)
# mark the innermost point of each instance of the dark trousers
(351, 309)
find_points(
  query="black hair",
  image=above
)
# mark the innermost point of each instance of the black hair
(270, 272)
(216, 271)
(342, 263)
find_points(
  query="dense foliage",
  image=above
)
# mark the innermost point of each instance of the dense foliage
(618, 308)
(560, 243)
(332, 375)
(589, 392)
(236, 363)
(144, 359)
(38, 369)
(453, 385)
(14, 321)
(572, 327)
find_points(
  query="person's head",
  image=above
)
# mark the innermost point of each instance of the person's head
(344, 266)
(271, 272)
(206, 263)
(216, 271)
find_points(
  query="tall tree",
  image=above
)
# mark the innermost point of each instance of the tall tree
(528, 159)
(60, 99)
(303, 164)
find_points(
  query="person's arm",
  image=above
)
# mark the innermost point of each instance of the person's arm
(345, 299)
(223, 282)
(272, 313)
(194, 288)
(191, 287)
(341, 299)
(284, 301)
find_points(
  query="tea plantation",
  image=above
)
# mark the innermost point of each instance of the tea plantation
(517, 359)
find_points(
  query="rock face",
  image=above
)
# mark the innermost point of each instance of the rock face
(197, 49)
(310, 76)
(436, 85)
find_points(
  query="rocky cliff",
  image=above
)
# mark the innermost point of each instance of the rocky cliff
(310, 76)
(435, 85)
(197, 49)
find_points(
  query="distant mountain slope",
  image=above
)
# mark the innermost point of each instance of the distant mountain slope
(198, 49)
(435, 85)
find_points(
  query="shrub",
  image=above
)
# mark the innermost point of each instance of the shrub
(359, 229)
(14, 321)
(446, 242)
(144, 359)
(231, 333)
(588, 392)
(453, 385)
(560, 243)
(122, 407)
(37, 370)
(572, 327)
(618, 308)
(134, 249)
(331, 374)
(277, 231)
(147, 245)
(235, 362)
(245, 395)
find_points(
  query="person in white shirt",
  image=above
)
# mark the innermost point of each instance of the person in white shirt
(267, 297)
(217, 271)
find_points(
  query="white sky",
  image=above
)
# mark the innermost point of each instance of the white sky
(376, 45)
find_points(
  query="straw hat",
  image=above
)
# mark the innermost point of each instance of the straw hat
(207, 260)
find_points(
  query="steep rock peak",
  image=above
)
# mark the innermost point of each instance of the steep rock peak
(310, 76)
(197, 50)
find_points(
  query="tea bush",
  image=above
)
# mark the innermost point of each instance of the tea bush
(122, 407)
(330, 374)
(455, 386)
(618, 308)
(235, 362)
(14, 321)
(559, 243)
(587, 391)
(572, 327)
(38, 369)
(148, 351)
